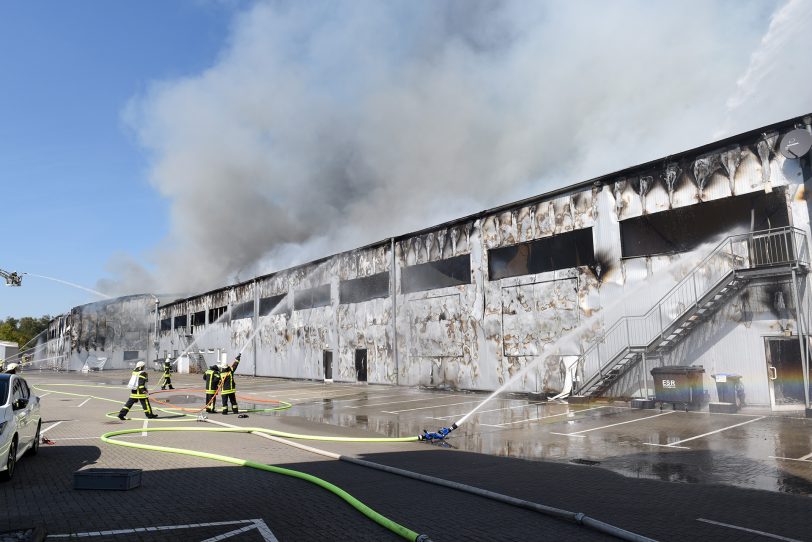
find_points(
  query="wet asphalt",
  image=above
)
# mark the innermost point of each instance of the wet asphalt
(671, 475)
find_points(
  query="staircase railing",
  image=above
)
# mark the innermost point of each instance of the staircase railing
(777, 247)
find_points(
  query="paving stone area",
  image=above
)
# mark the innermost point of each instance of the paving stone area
(179, 490)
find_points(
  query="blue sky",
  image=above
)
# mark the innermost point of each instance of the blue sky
(75, 187)
(173, 146)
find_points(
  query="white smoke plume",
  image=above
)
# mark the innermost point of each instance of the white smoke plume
(327, 125)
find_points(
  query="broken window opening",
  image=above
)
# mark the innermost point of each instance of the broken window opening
(562, 251)
(166, 324)
(312, 298)
(243, 310)
(363, 289)
(216, 313)
(686, 228)
(432, 275)
(180, 322)
(267, 305)
(198, 320)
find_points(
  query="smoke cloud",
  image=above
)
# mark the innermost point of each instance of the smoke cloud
(323, 125)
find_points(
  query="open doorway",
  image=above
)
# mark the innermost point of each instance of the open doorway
(361, 365)
(328, 365)
(785, 373)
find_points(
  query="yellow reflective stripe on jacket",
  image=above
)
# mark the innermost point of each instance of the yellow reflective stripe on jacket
(210, 386)
(140, 389)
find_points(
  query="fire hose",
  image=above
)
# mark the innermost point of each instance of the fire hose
(576, 517)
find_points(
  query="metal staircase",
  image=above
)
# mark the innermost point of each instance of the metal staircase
(735, 262)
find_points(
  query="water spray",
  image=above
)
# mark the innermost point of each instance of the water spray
(72, 284)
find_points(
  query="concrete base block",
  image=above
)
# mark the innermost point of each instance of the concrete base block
(723, 408)
(115, 479)
(809, 412)
(643, 403)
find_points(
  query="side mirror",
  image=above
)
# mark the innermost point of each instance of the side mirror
(19, 404)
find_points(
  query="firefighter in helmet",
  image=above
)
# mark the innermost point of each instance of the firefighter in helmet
(138, 392)
(212, 379)
(229, 391)
(167, 378)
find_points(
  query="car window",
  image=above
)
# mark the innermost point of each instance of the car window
(16, 391)
(26, 393)
(3, 391)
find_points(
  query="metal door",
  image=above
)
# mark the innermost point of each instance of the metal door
(785, 373)
(328, 365)
(361, 365)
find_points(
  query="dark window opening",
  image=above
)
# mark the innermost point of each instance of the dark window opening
(216, 313)
(198, 320)
(684, 229)
(166, 324)
(267, 305)
(439, 274)
(312, 297)
(363, 289)
(564, 251)
(131, 355)
(243, 310)
(180, 322)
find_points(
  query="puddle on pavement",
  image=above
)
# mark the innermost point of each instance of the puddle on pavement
(181, 399)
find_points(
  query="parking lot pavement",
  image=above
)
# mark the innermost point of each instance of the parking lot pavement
(181, 496)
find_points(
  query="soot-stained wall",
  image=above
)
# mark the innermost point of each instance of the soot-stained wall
(435, 316)
(111, 334)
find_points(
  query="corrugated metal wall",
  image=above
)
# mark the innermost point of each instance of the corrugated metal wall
(477, 335)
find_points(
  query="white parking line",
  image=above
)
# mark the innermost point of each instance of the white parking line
(258, 524)
(144, 433)
(44, 395)
(495, 410)
(675, 444)
(754, 531)
(374, 398)
(426, 398)
(307, 398)
(83, 402)
(43, 431)
(790, 458)
(425, 407)
(543, 418)
(804, 458)
(578, 433)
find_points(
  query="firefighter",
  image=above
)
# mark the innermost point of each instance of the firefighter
(212, 379)
(229, 391)
(12, 369)
(138, 392)
(167, 378)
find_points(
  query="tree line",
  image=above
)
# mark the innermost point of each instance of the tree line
(22, 330)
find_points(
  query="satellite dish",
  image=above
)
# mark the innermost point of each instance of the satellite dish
(796, 143)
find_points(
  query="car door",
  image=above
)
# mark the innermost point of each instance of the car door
(20, 414)
(31, 420)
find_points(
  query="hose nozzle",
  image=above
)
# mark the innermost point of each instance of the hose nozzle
(440, 434)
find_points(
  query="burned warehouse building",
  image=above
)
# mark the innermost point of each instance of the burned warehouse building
(699, 258)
